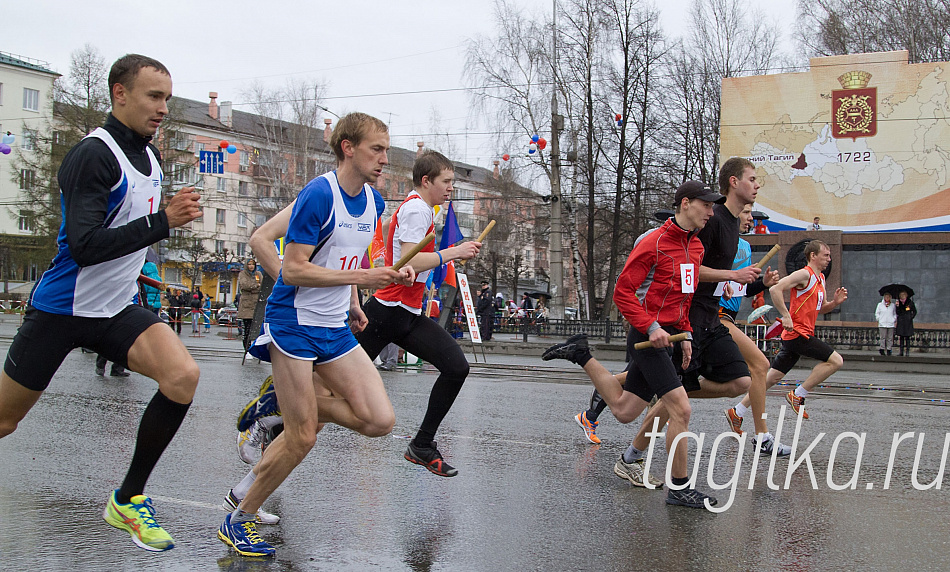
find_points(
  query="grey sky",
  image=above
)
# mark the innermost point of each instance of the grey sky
(358, 46)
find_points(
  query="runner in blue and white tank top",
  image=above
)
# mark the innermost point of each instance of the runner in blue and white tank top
(329, 228)
(110, 190)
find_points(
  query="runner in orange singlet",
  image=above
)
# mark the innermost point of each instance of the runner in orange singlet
(807, 288)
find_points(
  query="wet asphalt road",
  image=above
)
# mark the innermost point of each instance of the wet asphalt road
(532, 494)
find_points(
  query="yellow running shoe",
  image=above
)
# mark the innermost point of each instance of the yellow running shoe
(138, 519)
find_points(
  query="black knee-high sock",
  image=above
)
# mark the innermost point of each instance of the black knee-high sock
(441, 399)
(159, 424)
(597, 406)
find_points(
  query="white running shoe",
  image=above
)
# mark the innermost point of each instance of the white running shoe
(249, 443)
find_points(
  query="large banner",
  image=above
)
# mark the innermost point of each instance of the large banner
(862, 141)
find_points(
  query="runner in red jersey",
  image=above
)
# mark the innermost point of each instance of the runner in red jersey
(663, 268)
(807, 287)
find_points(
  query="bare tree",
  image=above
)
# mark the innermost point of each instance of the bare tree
(922, 27)
(291, 125)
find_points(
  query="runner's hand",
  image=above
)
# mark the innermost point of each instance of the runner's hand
(183, 207)
(747, 275)
(727, 291)
(660, 338)
(358, 321)
(841, 294)
(687, 347)
(770, 278)
(466, 250)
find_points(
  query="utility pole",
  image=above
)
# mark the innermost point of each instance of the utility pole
(557, 124)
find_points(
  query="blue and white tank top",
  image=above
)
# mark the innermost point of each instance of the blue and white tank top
(102, 290)
(338, 247)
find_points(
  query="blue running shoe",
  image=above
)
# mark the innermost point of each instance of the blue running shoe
(264, 405)
(244, 538)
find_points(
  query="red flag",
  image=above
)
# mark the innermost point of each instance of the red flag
(450, 275)
(774, 330)
(377, 249)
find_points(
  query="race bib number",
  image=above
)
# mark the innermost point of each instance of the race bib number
(738, 290)
(344, 258)
(821, 298)
(688, 278)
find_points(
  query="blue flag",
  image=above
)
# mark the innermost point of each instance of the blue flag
(451, 233)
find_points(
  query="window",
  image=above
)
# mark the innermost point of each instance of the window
(259, 220)
(31, 99)
(172, 275)
(29, 140)
(244, 160)
(242, 220)
(222, 185)
(25, 223)
(219, 245)
(219, 216)
(27, 179)
(59, 137)
(199, 180)
(242, 249)
(242, 188)
(263, 191)
(1, 93)
(182, 174)
(199, 147)
(402, 188)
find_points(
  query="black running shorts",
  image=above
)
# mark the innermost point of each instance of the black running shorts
(716, 357)
(801, 346)
(43, 341)
(651, 371)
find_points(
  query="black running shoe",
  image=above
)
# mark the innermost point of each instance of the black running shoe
(572, 350)
(689, 497)
(430, 458)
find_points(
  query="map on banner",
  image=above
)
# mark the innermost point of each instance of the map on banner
(862, 140)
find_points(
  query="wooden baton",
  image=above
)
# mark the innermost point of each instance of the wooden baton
(414, 251)
(768, 256)
(673, 339)
(150, 282)
(491, 225)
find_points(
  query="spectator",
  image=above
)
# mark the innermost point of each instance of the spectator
(195, 312)
(906, 312)
(886, 314)
(153, 296)
(249, 287)
(815, 224)
(175, 303)
(485, 310)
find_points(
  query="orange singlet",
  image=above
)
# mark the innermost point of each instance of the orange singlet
(805, 304)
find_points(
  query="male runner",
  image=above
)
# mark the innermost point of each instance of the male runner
(807, 286)
(305, 326)
(110, 187)
(664, 267)
(395, 312)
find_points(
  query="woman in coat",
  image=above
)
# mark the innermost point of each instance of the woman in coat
(249, 286)
(886, 314)
(906, 312)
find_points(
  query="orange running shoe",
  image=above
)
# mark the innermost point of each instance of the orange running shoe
(796, 402)
(589, 427)
(735, 422)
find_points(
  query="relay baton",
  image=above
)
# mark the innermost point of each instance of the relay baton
(414, 251)
(673, 339)
(491, 225)
(761, 264)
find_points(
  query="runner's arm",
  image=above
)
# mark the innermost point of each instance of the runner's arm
(796, 279)
(262, 241)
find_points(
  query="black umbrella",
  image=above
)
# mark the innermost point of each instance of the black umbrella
(759, 215)
(538, 295)
(663, 214)
(895, 289)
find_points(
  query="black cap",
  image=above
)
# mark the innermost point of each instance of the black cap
(697, 190)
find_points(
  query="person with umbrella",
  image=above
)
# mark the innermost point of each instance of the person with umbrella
(906, 312)
(886, 314)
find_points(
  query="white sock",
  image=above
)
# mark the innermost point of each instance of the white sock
(741, 409)
(240, 491)
(271, 421)
(801, 391)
